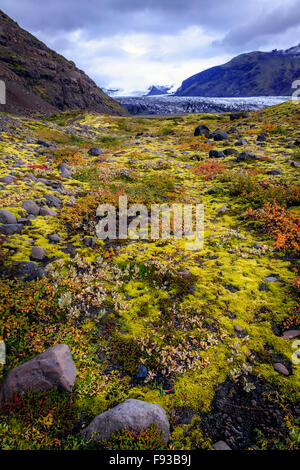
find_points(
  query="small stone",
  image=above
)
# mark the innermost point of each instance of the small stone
(261, 138)
(281, 368)
(238, 328)
(230, 151)
(43, 143)
(142, 372)
(274, 172)
(53, 201)
(54, 238)
(11, 229)
(64, 170)
(44, 211)
(89, 241)
(37, 253)
(241, 142)
(95, 151)
(271, 278)
(221, 445)
(6, 179)
(7, 217)
(290, 334)
(31, 207)
(216, 154)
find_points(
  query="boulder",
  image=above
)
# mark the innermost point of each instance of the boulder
(43, 143)
(27, 271)
(11, 229)
(6, 179)
(246, 156)
(241, 142)
(291, 334)
(31, 207)
(230, 151)
(54, 238)
(95, 152)
(53, 201)
(133, 415)
(7, 217)
(216, 154)
(37, 253)
(64, 170)
(281, 368)
(261, 138)
(219, 135)
(89, 241)
(221, 445)
(45, 211)
(274, 172)
(202, 130)
(54, 368)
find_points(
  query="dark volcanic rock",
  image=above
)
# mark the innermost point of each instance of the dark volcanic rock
(216, 154)
(202, 130)
(95, 151)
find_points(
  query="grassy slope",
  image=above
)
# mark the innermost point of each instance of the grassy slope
(117, 306)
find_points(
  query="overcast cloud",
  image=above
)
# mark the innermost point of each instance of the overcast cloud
(132, 44)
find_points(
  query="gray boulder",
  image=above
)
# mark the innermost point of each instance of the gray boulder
(54, 368)
(64, 170)
(7, 217)
(221, 445)
(133, 415)
(6, 179)
(11, 229)
(37, 253)
(44, 211)
(31, 207)
(241, 142)
(53, 201)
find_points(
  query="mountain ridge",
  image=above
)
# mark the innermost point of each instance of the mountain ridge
(39, 80)
(249, 74)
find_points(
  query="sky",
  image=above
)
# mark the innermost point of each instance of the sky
(133, 44)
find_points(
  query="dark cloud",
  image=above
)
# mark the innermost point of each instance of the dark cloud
(129, 43)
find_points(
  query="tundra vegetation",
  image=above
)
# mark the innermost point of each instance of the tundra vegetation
(207, 325)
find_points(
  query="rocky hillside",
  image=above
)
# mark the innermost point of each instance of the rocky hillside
(252, 74)
(39, 80)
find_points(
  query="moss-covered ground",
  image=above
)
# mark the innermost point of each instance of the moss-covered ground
(196, 319)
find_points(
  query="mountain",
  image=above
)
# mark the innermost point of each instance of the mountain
(156, 90)
(251, 74)
(38, 80)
